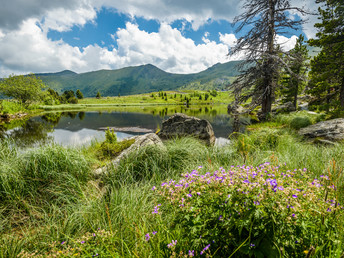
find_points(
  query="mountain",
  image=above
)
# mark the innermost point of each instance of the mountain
(139, 79)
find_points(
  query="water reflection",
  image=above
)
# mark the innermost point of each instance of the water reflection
(81, 127)
(30, 133)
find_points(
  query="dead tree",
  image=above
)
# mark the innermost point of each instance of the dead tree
(263, 57)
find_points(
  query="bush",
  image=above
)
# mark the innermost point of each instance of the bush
(263, 211)
(300, 122)
(111, 150)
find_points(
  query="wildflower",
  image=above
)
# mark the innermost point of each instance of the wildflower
(294, 196)
(293, 215)
(63, 242)
(189, 195)
(198, 193)
(82, 242)
(95, 255)
(192, 253)
(205, 249)
(153, 188)
(172, 244)
(328, 209)
(252, 245)
(147, 237)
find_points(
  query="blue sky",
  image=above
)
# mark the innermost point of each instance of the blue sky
(180, 36)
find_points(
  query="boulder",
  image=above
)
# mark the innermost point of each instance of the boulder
(180, 125)
(332, 130)
(235, 109)
(286, 107)
(140, 142)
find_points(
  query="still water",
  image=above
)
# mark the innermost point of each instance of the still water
(82, 127)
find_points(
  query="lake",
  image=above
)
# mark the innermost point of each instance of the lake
(75, 128)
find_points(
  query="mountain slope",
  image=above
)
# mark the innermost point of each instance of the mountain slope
(135, 80)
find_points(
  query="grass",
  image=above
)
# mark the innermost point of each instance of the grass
(52, 205)
(172, 98)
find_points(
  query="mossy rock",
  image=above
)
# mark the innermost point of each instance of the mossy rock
(112, 150)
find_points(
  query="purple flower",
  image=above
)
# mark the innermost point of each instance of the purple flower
(147, 237)
(189, 195)
(82, 242)
(280, 188)
(63, 242)
(328, 209)
(294, 196)
(170, 245)
(293, 215)
(153, 188)
(192, 253)
(252, 245)
(198, 193)
(154, 232)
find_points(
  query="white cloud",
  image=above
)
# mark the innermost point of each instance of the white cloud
(62, 19)
(228, 39)
(25, 47)
(168, 49)
(286, 43)
(29, 50)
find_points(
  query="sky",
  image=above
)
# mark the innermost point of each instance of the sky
(178, 36)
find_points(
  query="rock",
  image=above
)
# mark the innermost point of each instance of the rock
(235, 109)
(303, 106)
(180, 125)
(286, 107)
(332, 130)
(140, 142)
(222, 142)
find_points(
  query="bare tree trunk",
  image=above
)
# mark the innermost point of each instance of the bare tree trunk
(268, 81)
(296, 90)
(341, 94)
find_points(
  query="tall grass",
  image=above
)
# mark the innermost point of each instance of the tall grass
(49, 195)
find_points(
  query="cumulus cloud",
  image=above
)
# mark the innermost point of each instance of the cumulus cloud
(25, 47)
(14, 12)
(168, 49)
(286, 43)
(196, 12)
(228, 39)
(29, 50)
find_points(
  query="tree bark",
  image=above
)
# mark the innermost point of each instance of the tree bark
(341, 94)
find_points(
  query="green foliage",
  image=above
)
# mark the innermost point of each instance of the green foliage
(263, 211)
(293, 79)
(213, 93)
(206, 96)
(109, 150)
(98, 96)
(327, 69)
(300, 122)
(79, 94)
(141, 79)
(25, 89)
(11, 107)
(110, 136)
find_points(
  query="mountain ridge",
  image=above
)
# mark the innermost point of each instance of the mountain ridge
(139, 79)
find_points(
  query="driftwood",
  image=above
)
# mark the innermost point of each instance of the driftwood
(128, 129)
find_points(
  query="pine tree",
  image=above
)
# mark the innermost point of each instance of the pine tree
(294, 78)
(327, 69)
(98, 96)
(260, 72)
(79, 94)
